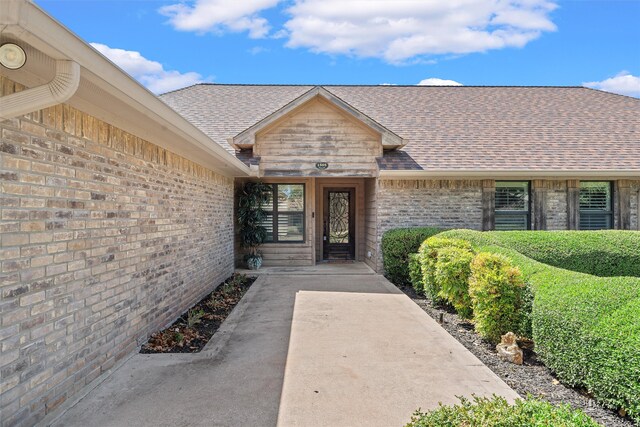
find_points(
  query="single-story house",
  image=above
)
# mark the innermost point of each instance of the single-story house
(117, 206)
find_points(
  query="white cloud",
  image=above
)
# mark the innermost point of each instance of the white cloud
(623, 83)
(398, 30)
(220, 15)
(150, 73)
(433, 81)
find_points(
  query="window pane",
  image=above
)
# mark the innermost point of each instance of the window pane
(268, 206)
(595, 196)
(512, 196)
(290, 197)
(511, 222)
(268, 224)
(595, 205)
(290, 227)
(594, 221)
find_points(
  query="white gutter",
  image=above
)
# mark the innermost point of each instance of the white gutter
(62, 87)
(506, 173)
(26, 21)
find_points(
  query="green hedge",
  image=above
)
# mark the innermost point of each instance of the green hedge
(496, 290)
(496, 412)
(428, 257)
(600, 253)
(586, 328)
(396, 246)
(452, 271)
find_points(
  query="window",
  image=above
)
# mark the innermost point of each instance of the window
(285, 214)
(512, 205)
(596, 207)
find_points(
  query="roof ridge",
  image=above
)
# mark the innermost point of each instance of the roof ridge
(376, 85)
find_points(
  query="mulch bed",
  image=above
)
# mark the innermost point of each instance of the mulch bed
(192, 331)
(530, 378)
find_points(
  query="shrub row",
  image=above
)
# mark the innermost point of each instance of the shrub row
(483, 286)
(586, 328)
(600, 253)
(397, 245)
(497, 412)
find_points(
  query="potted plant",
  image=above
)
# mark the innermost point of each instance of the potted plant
(250, 215)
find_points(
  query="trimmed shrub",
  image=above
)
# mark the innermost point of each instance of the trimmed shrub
(586, 329)
(396, 246)
(428, 255)
(452, 271)
(496, 289)
(603, 253)
(496, 412)
(415, 274)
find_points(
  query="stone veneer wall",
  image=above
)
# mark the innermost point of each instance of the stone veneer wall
(437, 203)
(105, 239)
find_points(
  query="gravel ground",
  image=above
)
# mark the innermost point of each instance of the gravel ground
(530, 378)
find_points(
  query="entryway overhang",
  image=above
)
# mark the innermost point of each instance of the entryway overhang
(247, 138)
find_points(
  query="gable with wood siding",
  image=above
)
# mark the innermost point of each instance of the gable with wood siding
(318, 132)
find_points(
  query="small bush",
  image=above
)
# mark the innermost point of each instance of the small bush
(428, 255)
(452, 271)
(396, 246)
(496, 288)
(415, 274)
(496, 412)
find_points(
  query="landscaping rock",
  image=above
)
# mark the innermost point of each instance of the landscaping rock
(508, 349)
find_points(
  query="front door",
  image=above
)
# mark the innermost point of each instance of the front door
(338, 224)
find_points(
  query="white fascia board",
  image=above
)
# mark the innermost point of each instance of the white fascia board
(28, 22)
(505, 173)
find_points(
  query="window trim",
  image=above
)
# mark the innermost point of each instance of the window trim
(609, 213)
(498, 213)
(274, 213)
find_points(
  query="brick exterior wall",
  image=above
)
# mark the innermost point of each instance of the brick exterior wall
(458, 204)
(438, 203)
(105, 239)
(557, 205)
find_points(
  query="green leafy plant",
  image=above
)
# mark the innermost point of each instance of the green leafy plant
(428, 254)
(396, 246)
(452, 271)
(586, 328)
(251, 197)
(194, 317)
(604, 253)
(178, 338)
(496, 288)
(415, 274)
(497, 412)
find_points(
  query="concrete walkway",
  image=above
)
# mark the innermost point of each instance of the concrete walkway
(299, 350)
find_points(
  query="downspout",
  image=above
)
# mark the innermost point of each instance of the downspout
(60, 89)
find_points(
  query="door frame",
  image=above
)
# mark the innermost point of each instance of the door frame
(340, 182)
(352, 219)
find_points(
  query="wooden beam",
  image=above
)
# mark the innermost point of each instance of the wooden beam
(573, 204)
(488, 204)
(539, 202)
(623, 197)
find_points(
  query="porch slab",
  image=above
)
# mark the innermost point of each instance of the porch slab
(322, 268)
(299, 350)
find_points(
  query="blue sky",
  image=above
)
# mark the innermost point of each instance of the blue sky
(172, 43)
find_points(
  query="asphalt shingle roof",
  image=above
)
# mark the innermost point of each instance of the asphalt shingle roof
(452, 128)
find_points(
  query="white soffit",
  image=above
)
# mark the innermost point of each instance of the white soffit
(105, 91)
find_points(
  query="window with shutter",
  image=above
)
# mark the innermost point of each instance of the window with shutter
(596, 205)
(285, 214)
(512, 205)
